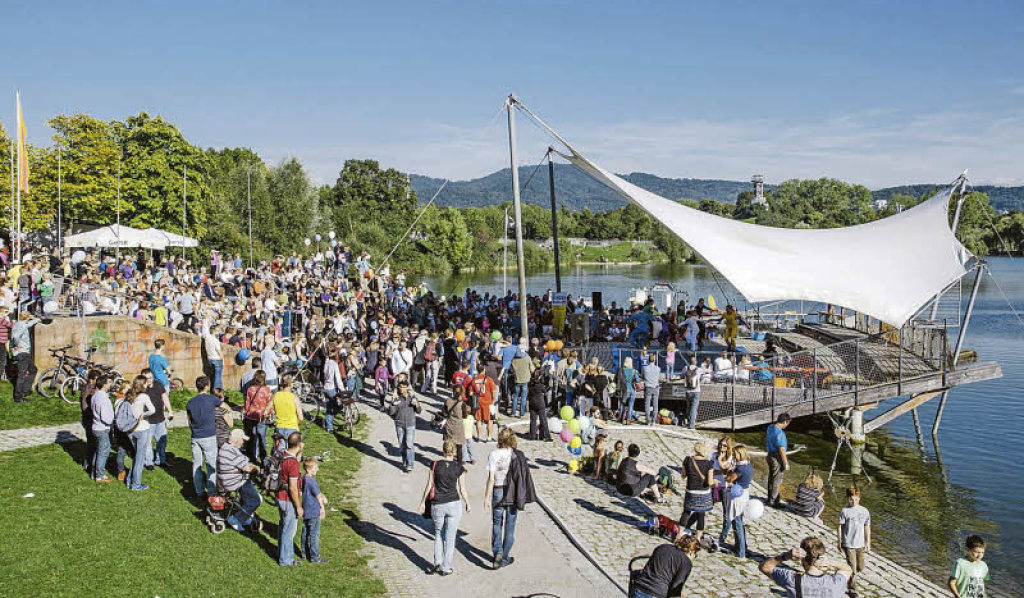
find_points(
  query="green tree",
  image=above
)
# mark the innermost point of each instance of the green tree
(364, 189)
(293, 208)
(976, 221)
(448, 237)
(163, 176)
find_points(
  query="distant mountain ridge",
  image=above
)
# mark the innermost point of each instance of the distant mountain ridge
(578, 191)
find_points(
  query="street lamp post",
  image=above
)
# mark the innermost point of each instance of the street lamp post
(248, 191)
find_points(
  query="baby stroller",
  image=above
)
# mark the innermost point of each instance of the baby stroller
(223, 505)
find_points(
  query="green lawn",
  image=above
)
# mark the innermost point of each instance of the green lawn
(40, 411)
(77, 538)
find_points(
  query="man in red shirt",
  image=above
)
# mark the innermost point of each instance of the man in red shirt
(289, 501)
(485, 390)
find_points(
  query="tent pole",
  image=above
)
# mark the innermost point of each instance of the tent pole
(524, 326)
(184, 209)
(13, 185)
(554, 220)
(59, 248)
(118, 208)
(979, 269)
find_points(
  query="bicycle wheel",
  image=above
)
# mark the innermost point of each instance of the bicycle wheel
(71, 389)
(49, 381)
(352, 418)
(177, 384)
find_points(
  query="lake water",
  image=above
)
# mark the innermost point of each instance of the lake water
(924, 501)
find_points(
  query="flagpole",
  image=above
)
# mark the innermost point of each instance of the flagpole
(184, 209)
(11, 249)
(119, 208)
(21, 125)
(59, 247)
(524, 325)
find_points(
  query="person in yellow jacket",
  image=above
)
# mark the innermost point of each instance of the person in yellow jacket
(287, 408)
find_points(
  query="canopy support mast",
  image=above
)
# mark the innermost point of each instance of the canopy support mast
(524, 326)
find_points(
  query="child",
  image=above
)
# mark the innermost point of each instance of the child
(810, 498)
(314, 509)
(970, 572)
(381, 375)
(854, 534)
(468, 423)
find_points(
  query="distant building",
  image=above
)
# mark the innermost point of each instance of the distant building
(758, 181)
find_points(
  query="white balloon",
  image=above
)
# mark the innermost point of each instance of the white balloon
(584, 422)
(331, 234)
(554, 425)
(307, 242)
(754, 510)
(50, 307)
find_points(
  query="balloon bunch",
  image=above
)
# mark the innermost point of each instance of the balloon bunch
(569, 434)
(554, 345)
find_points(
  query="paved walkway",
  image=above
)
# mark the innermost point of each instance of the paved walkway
(63, 434)
(607, 524)
(402, 545)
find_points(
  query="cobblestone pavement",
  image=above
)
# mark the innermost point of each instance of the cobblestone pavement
(401, 542)
(607, 524)
(63, 434)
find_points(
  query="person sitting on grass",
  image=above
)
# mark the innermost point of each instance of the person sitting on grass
(813, 581)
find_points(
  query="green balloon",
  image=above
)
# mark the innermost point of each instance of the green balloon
(495, 336)
(574, 425)
(567, 413)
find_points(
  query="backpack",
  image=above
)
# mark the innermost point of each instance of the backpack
(272, 476)
(124, 418)
(430, 351)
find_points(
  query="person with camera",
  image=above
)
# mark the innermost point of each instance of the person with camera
(403, 409)
(813, 581)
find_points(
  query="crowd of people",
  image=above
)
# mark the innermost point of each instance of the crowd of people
(333, 318)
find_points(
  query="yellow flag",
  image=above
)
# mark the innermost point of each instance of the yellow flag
(22, 154)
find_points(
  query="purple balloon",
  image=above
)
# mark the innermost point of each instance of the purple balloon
(317, 237)
(566, 434)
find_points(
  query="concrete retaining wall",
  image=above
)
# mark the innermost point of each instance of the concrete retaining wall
(125, 343)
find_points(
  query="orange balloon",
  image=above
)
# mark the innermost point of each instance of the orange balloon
(460, 335)
(550, 345)
(559, 345)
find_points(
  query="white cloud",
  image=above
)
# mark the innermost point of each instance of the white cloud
(877, 148)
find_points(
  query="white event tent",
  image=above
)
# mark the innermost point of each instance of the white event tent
(119, 236)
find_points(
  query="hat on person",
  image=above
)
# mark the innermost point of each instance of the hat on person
(237, 434)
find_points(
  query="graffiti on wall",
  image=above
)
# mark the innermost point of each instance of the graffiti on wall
(132, 355)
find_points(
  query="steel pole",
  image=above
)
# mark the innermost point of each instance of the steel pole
(979, 269)
(118, 208)
(554, 221)
(184, 208)
(504, 257)
(524, 327)
(13, 185)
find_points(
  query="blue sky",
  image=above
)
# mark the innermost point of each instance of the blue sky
(881, 93)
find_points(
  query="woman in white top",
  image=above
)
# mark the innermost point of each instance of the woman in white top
(142, 407)
(401, 360)
(503, 531)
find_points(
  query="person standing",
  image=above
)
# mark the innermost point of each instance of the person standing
(482, 390)
(102, 420)
(141, 408)
(854, 535)
(538, 400)
(5, 336)
(21, 351)
(778, 462)
(403, 409)
(314, 511)
(162, 412)
(970, 572)
(158, 364)
(521, 370)
(628, 381)
(269, 361)
(334, 383)
(201, 411)
(288, 409)
(503, 529)
(652, 389)
(258, 407)
(214, 357)
(447, 481)
(289, 501)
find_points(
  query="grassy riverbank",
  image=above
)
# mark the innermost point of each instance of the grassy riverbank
(77, 538)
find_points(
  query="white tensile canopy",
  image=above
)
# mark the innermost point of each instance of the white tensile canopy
(116, 235)
(888, 269)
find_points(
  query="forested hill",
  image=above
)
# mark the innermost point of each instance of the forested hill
(577, 191)
(573, 189)
(1001, 198)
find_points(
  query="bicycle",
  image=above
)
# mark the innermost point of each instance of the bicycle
(350, 412)
(177, 384)
(49, 380)
(71, 388)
